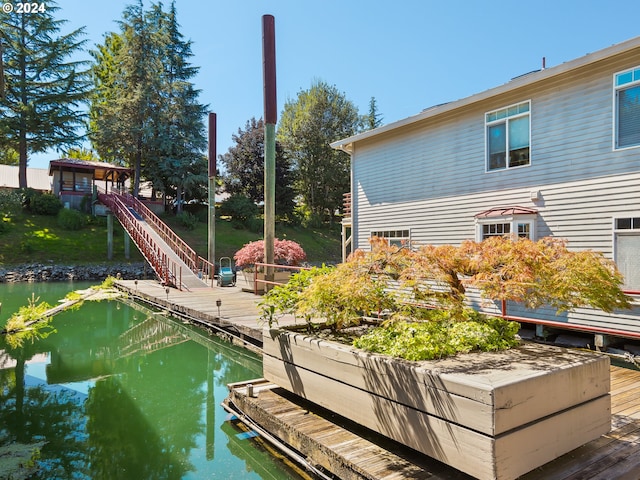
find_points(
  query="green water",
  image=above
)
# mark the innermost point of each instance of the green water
(118, 392)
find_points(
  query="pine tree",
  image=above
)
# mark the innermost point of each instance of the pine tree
(145, 110)
(42, 89)
(374, 118)
(179, 121)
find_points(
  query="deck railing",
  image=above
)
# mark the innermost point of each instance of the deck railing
(197, 264)
(346, 205)
(166, 269)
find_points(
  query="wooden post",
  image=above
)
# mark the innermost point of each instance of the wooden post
(270, 114)
(212, 190)
(127, 245)
(109, 236)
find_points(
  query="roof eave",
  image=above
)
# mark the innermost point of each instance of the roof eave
(346, 144)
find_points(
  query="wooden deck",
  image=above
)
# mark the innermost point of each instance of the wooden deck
(614, 456)
(352, 453)
(238, 311)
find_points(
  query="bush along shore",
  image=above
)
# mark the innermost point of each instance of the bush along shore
(63, 273)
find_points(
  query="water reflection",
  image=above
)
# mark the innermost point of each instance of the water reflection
(120, 393)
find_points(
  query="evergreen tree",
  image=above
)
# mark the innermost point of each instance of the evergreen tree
(319, 116)
(244, 165)
(179, 121)
(145, 110)
(125, 124)
(107, 86)
(42, 90)
(374, 118)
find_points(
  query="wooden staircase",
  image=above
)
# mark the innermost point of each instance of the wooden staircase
(173, 261)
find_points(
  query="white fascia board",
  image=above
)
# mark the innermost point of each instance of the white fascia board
(518, 82)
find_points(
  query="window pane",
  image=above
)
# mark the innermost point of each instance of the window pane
(629, 117)
(519, 142)
(623, 78)
(519, 133)
(497, 146)
(628, 259)
(623, 223)
(524, 230)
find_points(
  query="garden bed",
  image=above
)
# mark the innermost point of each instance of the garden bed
(492, 415)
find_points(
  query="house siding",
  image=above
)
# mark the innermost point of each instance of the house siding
(429, 176)
(435, 172)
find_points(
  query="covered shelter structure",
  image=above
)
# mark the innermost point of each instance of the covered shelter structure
(73, 179)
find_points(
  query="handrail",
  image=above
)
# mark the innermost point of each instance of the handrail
(196, 263)
(166, 269)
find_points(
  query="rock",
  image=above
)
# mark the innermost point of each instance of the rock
(51, 273)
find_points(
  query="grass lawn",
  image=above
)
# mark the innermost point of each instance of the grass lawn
(29, 238)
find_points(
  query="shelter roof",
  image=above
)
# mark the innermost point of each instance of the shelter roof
(102, 170)
(506, 212)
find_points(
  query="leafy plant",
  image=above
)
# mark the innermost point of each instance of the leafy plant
(432, 340)
(286, 252)
(70, 219)
(188, 220)
(45, 204)
(284, 299)
(239, 207)
(396, 282)
(28, 323)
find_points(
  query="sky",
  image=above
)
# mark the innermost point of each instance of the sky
(407, 54)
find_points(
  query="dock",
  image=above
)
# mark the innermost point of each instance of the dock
(232, 309)
(337, 448)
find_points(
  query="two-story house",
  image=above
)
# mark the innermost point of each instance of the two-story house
(555, 152)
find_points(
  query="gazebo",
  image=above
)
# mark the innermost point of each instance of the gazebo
(73, 178)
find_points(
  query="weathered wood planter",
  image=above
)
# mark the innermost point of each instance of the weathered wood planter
(279, 277)
(491, 415)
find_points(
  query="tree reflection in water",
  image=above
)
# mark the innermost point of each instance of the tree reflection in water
(123, 394)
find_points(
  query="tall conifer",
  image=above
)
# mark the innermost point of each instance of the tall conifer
(43, 85)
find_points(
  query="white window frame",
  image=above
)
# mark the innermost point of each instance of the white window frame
(634, 229)
(400, 237)
(502, 115)
(514, 222)
(623, 80)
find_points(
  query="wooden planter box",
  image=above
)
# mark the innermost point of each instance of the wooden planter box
(280, 277)
(492, 415)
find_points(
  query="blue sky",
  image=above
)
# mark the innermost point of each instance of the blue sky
(408, 54)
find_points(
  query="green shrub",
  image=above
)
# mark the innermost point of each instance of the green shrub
(240, 208)
(438, 339)
(10, 202)
(70, 219)
(188, 220)
(45, 204)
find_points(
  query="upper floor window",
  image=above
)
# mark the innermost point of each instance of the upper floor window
(508, 136)
(627, 105)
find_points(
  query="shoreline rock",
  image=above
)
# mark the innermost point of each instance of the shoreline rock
(38, 272)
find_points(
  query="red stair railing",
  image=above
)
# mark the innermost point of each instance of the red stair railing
(166, 269)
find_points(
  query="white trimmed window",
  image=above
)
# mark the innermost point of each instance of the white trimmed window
(627, 108)
(626, 232)
(399, 238)
(516, 222)
(508, 137)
